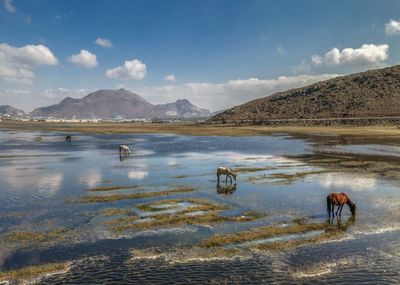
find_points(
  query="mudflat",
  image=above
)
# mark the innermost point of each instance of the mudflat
(202, 129)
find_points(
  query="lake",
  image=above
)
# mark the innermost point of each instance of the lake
(159, 215)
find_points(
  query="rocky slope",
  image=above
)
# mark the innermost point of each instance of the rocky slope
(374, 93)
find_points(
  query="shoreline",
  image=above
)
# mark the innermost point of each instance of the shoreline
(202, 130)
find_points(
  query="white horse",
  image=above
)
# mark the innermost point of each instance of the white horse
(124, 150)
(226, 171)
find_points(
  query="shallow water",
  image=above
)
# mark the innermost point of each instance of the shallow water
(42, 179)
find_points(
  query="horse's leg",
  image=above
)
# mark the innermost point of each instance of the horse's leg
(333, 210)
(341, 208)
(337, 211)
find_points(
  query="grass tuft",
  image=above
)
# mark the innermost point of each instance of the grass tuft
(33, 272)
(117, 197)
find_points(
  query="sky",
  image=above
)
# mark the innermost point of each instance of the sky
(215, 53)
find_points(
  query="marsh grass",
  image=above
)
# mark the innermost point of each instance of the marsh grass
(252, 169)
(33, 272)
(116, 211)
(180, 176)
(204, 129)
(384, 166)
(10, 214)
(167, 220)
(29, 236)
(118, 197)
(110, 188)
(199, 205)
(209, 214)
(285, 178)
(187, 254)
(284, 245)
(263, 233)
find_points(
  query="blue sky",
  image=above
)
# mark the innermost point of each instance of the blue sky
(215, 53)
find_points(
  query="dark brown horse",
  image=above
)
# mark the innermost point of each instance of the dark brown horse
(68, 138)
(339, 199)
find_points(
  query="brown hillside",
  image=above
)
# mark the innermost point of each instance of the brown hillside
(374, 93)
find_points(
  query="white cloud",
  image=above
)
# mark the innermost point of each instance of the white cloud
(367, 54)
(61, 93)
(392, 28)
(16, 63)
(225, 95)
(84, 59)
(9, 6)
(170, 78)
(133, 69)
(28, 19)
(15, 92)
(103, 42)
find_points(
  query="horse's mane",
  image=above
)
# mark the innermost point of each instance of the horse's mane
(349, 201)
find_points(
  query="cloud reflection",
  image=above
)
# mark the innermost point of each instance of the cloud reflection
(350, 181)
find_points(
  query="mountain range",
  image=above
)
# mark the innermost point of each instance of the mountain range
(373, 93)
(118, 104)
(8, 110)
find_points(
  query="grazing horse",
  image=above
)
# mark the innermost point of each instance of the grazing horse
(68, 138)
(339, 199)
(124, 150)
(226, 171)
(226, 190)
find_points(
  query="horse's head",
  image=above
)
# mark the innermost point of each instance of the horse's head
(234, 174)
(353, 209)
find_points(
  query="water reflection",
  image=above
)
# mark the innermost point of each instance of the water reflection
(226, 189)
(137, 174)
(340, 225)
(160, 163)
(354, 182)
(91, 177)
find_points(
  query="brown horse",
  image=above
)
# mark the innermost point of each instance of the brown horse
(339, 199)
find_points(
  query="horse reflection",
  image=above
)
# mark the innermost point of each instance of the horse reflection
(123, 157)
(343, 227)
(226, 189)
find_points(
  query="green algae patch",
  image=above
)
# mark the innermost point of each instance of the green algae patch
(263, 233)
(118, 197)
(29, 274)
(30, 236)
(111, 188)
(196, 212)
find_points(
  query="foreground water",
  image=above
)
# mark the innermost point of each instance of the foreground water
(48, 213)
